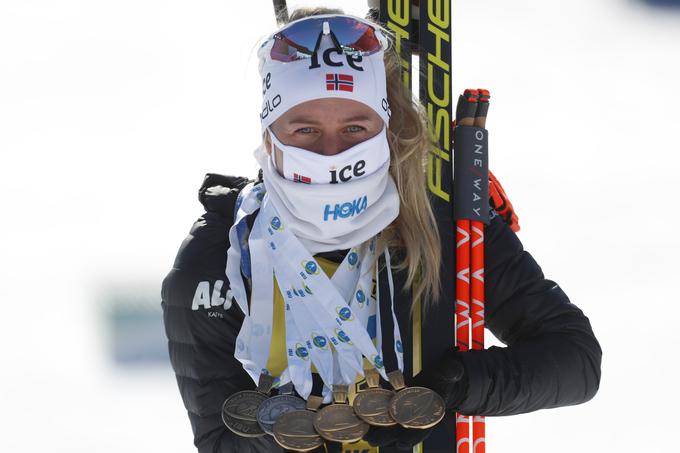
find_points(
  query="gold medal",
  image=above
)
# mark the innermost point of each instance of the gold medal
(415, 407)
(373, 404)
(338, 422)
(294, 430)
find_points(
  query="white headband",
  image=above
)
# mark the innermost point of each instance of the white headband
(328, 73)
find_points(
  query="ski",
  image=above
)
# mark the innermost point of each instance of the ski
(435, 94)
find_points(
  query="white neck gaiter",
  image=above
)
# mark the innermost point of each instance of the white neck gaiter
(327, 217)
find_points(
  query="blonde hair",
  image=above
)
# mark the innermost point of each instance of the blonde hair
(414, 231)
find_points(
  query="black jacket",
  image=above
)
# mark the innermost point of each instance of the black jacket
(552, 357)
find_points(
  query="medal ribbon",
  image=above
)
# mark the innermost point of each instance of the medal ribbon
(254, 337)
(339, 318)
(387, 320)
(300, 271)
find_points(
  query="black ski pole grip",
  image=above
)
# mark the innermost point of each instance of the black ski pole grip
(471, 173)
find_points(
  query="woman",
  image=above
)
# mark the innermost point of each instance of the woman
(342, 187)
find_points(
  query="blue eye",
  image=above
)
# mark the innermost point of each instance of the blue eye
(355, 129)
(305, 130)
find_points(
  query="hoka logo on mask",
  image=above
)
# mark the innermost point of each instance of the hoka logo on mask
(344, 210)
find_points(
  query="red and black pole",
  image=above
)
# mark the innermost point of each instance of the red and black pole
(471, 211)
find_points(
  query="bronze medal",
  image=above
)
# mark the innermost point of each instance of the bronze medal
(294, 430)
(373, 404)
(415, 407)
(243, 405)
(338, 422)
(243, 428)
(239, 410)
(272, 408)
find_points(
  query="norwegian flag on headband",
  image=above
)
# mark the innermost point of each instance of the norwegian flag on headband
(300, 178)
(342, 82)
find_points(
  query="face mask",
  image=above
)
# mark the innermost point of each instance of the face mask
(328, 217)
(361, 160)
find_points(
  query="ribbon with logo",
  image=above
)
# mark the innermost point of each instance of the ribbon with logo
(340, 318)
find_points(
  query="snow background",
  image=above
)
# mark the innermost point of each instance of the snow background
(112, 112)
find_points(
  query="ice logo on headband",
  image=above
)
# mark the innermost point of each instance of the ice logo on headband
(326, 55)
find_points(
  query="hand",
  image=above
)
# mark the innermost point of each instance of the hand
(398, 436)
(448, 378)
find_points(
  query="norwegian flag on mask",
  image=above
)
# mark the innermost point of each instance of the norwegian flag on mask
(300, 178)
(341, 82)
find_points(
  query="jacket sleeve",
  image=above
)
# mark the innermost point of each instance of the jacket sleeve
(552, 357)
(201, 324)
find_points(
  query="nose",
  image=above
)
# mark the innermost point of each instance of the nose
(332, 144)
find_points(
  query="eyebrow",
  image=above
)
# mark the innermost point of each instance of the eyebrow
(306, 120)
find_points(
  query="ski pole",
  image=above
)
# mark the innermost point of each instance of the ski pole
(477, 283)
(471, 212)
(465, 112)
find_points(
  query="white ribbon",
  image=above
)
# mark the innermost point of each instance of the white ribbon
(339, 317)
